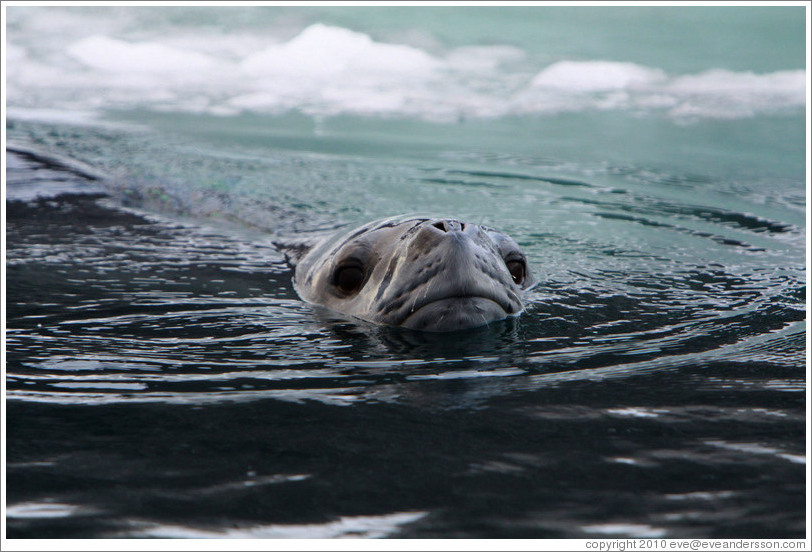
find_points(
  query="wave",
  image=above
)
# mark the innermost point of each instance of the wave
(327, 70)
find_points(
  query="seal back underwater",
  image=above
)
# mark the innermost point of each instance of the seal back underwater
(433, 274)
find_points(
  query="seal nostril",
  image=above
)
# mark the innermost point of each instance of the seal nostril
(449, 226)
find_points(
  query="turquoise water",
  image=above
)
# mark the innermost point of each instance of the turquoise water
(363, 96)
(164, 379)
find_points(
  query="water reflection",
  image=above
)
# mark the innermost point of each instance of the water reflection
(177, 387)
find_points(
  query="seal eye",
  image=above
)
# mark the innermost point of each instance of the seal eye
(348, 279)
(517, 271)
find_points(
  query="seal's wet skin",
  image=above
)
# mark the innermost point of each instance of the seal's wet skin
(432, 274)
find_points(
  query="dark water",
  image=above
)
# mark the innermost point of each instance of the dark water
(164, 380)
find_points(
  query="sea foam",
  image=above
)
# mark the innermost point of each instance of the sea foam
(328, 70)
(578, 86)
(116, 56)
(324, 52)
(596, 76)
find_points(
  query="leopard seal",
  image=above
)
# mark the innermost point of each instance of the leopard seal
(422, 273)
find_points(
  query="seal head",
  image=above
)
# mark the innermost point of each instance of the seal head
(432, 274)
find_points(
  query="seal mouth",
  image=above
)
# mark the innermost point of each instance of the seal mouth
(458, 312)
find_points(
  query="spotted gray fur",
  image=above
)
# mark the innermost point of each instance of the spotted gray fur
(433, 274)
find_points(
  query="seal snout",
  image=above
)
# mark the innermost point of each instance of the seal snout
(469, 284)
